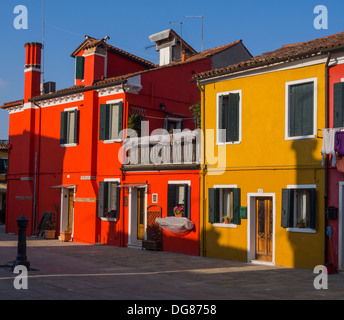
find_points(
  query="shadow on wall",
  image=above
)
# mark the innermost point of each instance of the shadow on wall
(307, 205)
(35, 166)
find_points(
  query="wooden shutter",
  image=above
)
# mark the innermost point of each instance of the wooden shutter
(76, 126)
(213, 205)
(101, 199)
(233, 117)
(79, 67)
(286, 213)
(63, 129)
(171, 198)
(104, 122)
(301, 109)
(312, 213)
(186, 201)
(236, 206)
(118, 206)
(120, 119)
(338, 105)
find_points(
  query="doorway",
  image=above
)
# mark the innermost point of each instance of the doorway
(137, 216)
(264, 223)
(67, 210)
(261, 228)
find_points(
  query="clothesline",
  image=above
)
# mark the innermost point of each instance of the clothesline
(333, 144)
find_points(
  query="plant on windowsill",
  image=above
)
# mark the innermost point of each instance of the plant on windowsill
(301, 223)
(226, 220)
(178, 211)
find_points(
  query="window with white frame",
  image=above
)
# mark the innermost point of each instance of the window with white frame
(178, 197)
(224, 203)
(111, 121)
(69, 127)
(301, 102)
(109, 199)
(229, 117)
(299, 207)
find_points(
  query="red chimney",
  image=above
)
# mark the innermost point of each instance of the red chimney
(32, 85)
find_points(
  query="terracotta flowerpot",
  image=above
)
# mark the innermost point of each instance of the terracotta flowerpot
(178, 215)
(301, 225)
(66, 236)
(49, 234)
(226, 221)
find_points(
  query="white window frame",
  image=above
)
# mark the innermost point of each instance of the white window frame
(302, 186)
(218, 142)
(219, 224)
(112, 102)
(70, 144)
(287, 105)
(188, 182)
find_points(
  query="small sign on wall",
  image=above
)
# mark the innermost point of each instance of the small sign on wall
(154, 198)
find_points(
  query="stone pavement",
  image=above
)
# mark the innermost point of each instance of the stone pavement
(73, 271)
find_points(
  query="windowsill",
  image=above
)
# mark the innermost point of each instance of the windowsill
(108, 219)
(225, 225)
(301, 230)
(227, 143)
(112, 141)
(300, 137)
(66, 145)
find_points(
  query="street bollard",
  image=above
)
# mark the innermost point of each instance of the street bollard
(21, 259)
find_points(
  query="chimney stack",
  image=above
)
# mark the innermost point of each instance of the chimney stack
(32, 86)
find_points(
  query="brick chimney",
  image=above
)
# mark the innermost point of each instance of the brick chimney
(32, 70)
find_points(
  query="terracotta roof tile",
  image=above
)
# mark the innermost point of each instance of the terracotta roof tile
(12, 104)
(285, 54)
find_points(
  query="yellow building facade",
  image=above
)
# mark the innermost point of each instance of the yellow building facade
(262, 163)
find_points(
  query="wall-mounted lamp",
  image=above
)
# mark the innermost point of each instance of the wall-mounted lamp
(162, 107)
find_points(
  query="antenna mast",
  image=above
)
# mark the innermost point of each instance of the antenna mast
(43, 49)
(202, 26)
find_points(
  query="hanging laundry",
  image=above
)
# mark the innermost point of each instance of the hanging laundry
(340, 165)
(329, 145)
(339, 143)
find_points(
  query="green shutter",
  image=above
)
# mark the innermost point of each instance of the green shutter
(301, 109)
(236, 206)
(338, 105)
(186, 201)
(171, 198)
(63, 128)
(313, 211)
(120, 119)
(118, 206)
(104, 127)
(213, 205)
(101, 199)
(79, 67)
(286, 213)
(233, 117)
(76, 126)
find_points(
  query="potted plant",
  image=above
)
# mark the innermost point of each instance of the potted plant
(301, 223)
(50, 227)
(66, 236)
(178, 211)
(226, 219)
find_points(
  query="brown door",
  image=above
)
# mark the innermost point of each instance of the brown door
(140, 214)
(264, 225)
(70, 209)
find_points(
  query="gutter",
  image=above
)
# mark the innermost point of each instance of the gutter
(78, 90)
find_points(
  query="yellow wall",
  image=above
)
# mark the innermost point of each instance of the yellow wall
(3, 154)
(265, 161)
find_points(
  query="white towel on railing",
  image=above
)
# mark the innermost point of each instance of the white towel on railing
(328, 145)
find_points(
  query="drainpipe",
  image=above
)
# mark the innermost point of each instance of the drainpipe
(37, 171)
(327, 106)
(203, 168)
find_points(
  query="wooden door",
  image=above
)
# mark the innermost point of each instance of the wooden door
(140, 214)
(264, 227)
(70, 210)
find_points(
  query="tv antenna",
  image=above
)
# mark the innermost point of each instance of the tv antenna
(202, 26)
(43, 49)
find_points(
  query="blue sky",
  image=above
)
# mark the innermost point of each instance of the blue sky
(262, 25)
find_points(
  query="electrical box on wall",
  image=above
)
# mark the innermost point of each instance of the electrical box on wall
(332, 213)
